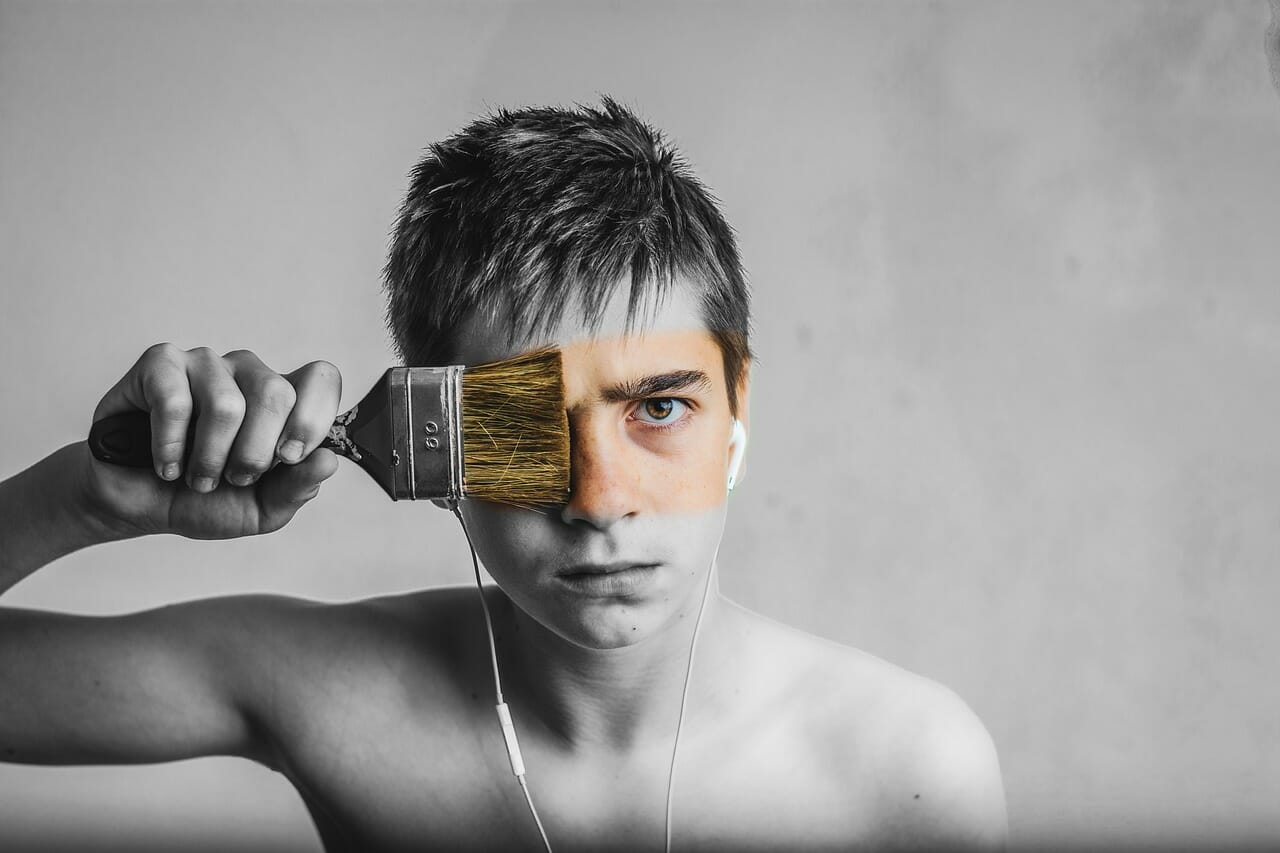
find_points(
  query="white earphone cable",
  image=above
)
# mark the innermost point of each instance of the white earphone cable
(504, 713)
(684, 697)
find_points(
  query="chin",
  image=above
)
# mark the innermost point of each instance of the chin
(615, 628)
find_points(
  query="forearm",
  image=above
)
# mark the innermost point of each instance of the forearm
(44, 515)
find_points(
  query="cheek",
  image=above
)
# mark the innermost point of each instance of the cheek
(688, 481)
(500, 534)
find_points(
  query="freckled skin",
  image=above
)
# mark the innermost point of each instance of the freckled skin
(639, 493)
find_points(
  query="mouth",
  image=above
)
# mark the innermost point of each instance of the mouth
(607, 580)
(601, 568)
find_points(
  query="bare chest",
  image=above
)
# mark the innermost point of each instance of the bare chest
(397, 782)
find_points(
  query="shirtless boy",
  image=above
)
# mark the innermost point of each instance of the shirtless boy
(527, 228)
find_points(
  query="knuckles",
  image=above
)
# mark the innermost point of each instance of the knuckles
(321, 371)
(225, 392)
(205, 464)
(255, 464)
(175, 407)
(163, 352)
(203, 356)
(225, 408)
(272, 392)
(160, 363)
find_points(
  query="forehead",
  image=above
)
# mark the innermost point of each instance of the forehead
(675, 326)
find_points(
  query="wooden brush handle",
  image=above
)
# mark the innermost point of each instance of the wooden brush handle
(125, 439)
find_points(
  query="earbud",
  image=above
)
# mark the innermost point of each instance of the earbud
(737, 440)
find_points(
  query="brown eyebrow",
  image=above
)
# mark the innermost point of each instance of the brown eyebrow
(656, 386)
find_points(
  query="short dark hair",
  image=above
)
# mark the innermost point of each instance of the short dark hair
(528, 209)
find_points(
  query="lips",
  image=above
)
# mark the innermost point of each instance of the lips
(609, 580)
(603, 568)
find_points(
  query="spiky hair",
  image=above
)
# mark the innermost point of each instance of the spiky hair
(535, 209)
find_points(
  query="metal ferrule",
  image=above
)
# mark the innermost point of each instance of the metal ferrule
(433, 441)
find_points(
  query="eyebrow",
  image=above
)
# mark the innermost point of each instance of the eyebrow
(656, 386)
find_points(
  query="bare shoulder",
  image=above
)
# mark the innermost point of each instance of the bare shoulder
(366, 638)
(943, 786)
(909, 750)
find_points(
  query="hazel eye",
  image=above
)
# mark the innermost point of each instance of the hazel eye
(661, 410)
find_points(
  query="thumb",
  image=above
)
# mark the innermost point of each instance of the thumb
(285, 488)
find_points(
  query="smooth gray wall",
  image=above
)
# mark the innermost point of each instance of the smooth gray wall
(1015, 270)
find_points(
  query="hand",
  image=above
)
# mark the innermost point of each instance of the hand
(219, 428)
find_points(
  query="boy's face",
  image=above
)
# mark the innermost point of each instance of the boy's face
(649, 428)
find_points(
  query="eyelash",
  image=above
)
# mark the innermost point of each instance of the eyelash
(670, 425)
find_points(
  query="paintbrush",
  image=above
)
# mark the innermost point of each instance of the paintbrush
(496, 431)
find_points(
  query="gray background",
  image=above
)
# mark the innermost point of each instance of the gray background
(1019, 337)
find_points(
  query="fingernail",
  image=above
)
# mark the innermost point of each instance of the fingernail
(240, 479)
(291, 451)
(170, 472)
(204, 484)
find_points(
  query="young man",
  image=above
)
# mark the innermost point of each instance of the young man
(579, 229)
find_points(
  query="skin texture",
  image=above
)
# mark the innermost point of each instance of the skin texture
(647, 483)
(381, 711)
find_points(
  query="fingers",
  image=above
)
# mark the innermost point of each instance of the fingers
(220, 409)
(319, 388)
(225, 416)
(269, 401)
(171, 414)
(284, 418)
(158, 384)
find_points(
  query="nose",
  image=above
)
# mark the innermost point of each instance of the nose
(602, 480)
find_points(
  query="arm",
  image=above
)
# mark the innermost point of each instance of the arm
(178, 681)
(167, 684)
(43, 515)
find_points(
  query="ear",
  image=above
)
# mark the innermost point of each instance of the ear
(744, 418)
(737, 451)
(744, 396)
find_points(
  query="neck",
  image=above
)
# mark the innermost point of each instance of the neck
(620, 700)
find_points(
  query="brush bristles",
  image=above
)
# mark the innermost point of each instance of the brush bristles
(515, 445)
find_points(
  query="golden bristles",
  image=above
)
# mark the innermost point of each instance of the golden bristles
(515, 445)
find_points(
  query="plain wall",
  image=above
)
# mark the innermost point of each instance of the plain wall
(1014, 417)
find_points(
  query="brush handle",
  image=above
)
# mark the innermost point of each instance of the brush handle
(125, 439)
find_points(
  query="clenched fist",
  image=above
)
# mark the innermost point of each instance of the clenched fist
(219, 427)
